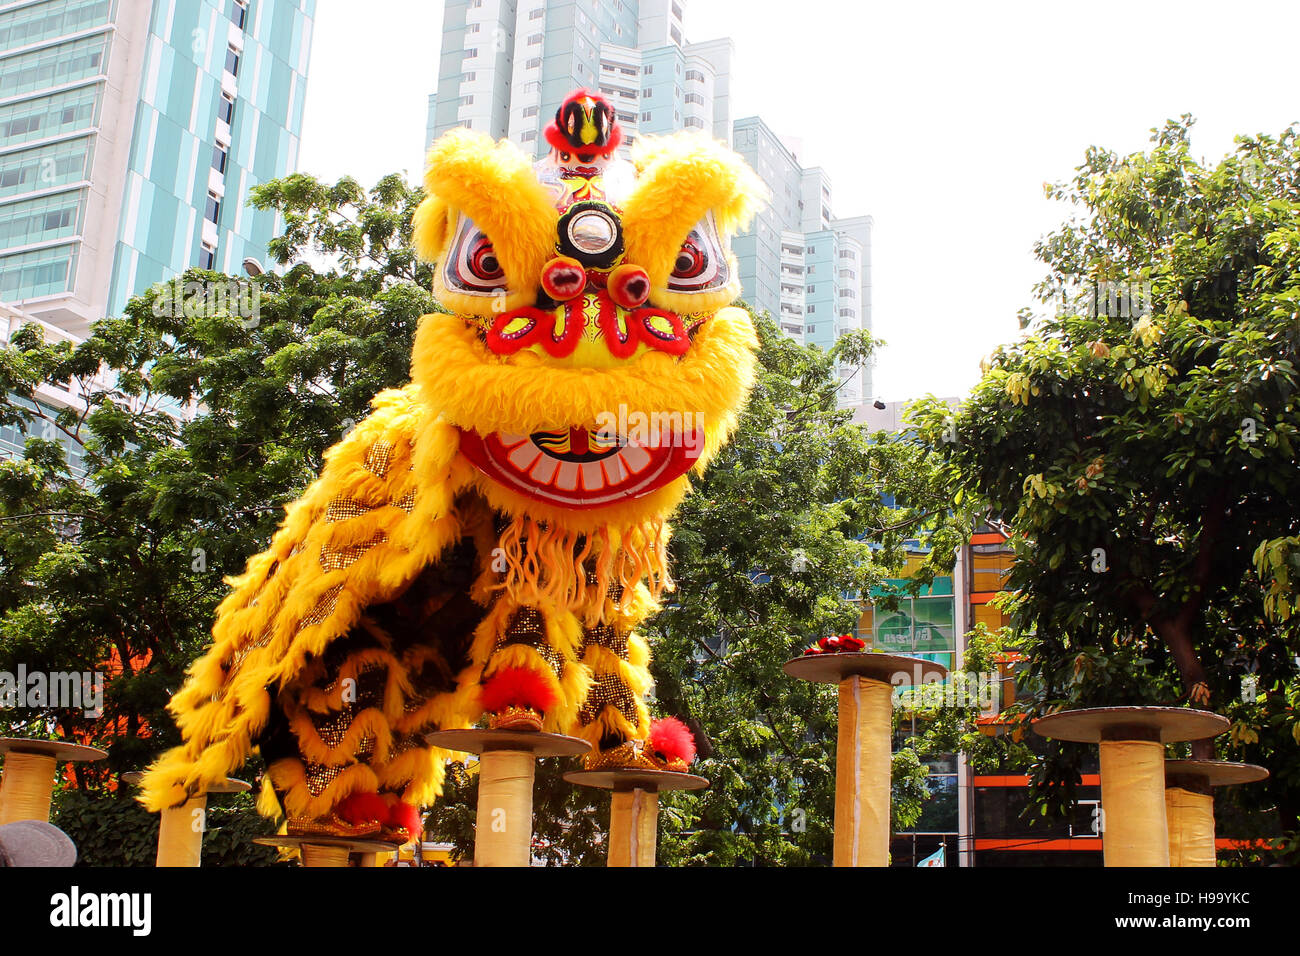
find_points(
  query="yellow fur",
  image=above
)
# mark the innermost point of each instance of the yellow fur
(396, 493)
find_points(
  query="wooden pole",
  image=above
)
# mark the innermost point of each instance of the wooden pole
(1134, 827)
(314, 854)
(28, 787)
(862, 773)
(504, 832)
(633, 828)
(1191, 827)
(180, 833)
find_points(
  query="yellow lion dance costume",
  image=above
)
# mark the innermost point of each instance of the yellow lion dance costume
(488, 539)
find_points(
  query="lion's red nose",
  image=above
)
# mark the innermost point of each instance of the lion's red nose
(629, 286)
(563, 278)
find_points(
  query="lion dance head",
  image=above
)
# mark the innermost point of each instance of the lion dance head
(592, 358)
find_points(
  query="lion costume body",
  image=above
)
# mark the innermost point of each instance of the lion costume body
(503, 515)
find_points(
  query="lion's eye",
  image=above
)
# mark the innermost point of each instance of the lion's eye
(701, 262)
(691, 261)
(473, 265)
(483, 262)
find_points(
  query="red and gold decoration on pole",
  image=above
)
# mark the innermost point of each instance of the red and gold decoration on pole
(484, 546)
(637, 778)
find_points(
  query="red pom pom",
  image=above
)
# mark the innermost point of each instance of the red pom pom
(518, 687)
(672, 739)
(363, 808)
(406, 817)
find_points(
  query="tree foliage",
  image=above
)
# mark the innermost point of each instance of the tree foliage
(1140, 445)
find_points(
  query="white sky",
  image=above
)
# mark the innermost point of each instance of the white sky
(940, 119)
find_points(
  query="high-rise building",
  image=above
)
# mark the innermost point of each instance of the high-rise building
(809, 270)
(131, 132)
(506, 65)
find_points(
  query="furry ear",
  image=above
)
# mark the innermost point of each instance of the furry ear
(682, 178)
(492, 185)
(430, 228)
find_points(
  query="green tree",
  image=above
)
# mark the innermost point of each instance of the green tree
(1139, 444)
(121, 563)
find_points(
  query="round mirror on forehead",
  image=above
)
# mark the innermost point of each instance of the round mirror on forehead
(592, 231)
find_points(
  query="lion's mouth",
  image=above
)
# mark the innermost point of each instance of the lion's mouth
(582, 467)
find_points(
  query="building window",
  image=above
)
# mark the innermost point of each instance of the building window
(533, 63)
(645, 117)
(471, 53)
(812, 289)
(695, 98)
(219, 158)
(645, 94)
(535, 39)
(226, 109)
(811, 250)
(528, 135)
(677, 11)
(627, 117)
(536, 14)
(467, 100)
(648, 69)
(212, 211)
(811, 310)
(232, 61)
(207, 257)
(239, 12)
(530, 111)
(693, 123)
(472, 27)
(468, 77)
(695, 75)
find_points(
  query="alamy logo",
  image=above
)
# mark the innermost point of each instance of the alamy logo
(73, 690)
(74, 909)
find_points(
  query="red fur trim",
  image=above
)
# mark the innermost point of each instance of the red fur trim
(673, 739)
(518, 687)
(404, 816)
(363, 808)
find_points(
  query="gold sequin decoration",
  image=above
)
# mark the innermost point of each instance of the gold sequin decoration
(319, 777)
(323, 609)
(341, 509)
(407, 502)
(336, 559)
(379, 457)
(332, 728)
(608, 637)
(527, 627)
(607, 689)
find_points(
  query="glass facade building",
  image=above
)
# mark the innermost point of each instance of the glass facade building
(130, 134)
